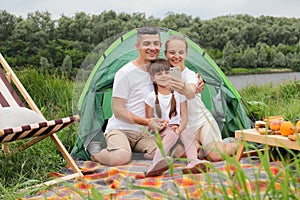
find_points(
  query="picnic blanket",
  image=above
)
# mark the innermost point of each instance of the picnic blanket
(129, 182)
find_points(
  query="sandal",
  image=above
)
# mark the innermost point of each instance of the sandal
(201, 167)
(158, 169)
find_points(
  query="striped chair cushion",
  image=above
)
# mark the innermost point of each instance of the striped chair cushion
(36, 129)
(8, 96)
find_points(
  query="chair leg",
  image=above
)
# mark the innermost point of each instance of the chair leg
(60, 146)
(6, 149)
(66, 154)
(239, 152)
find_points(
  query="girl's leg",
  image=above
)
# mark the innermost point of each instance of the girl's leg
(195, 165)
(159, 164)
(187, 138)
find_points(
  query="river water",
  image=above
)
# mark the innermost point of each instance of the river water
(241, 81)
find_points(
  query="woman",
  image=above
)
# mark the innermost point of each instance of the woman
(201, 121)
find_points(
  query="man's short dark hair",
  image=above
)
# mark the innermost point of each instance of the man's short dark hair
(146, 31)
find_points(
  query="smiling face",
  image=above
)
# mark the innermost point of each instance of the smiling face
(148, 47)
(160, 73)
(162, 78)
(176, 52)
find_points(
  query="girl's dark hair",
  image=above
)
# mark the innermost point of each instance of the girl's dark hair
(156, 66)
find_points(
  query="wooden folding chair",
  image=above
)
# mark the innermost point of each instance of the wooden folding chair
(36, 131)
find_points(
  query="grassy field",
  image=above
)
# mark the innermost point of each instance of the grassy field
(54, 96)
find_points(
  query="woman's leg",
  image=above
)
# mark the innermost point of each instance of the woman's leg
(210, 137)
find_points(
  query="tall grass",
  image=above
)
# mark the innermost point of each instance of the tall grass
(51, 93)
(268, 100)
(54, 95)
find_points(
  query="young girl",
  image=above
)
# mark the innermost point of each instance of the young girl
(169, 105)
(201, 121)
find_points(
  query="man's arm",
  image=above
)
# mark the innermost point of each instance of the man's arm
(121, 112)
(149, 111)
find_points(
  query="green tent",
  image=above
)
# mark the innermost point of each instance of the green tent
(94, 99)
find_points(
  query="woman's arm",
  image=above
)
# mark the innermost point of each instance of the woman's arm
(180, 86)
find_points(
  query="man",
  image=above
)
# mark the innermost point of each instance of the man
(125, 129)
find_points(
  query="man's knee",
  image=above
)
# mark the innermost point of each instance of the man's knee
(112, 157)
(120, 157)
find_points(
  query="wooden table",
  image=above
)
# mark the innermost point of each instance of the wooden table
(252, 135)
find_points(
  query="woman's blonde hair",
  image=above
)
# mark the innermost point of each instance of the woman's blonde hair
(176, 37)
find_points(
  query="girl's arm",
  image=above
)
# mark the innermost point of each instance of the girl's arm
(155, 122)
(149, 111)
(184, 116)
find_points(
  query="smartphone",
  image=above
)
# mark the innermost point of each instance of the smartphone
(175, 72)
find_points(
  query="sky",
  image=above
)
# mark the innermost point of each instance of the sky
(205, 9)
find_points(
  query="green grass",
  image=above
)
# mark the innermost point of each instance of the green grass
(236, 71)
(271, 100)
(54, 95)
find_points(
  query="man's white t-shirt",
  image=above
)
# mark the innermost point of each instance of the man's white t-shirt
(165, 105)
(133, 84)
(197, 111)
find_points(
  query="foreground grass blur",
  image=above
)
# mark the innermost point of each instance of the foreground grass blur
(54, 96)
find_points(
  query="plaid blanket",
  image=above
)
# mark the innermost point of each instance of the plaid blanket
(129, 182)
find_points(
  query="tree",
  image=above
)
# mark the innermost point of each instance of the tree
(293, 61)
(262, 55)
(228, 53)
(8, 23)
(44, 65)
(250, 58)
(277, 59)
(67, 66)
(176, 21)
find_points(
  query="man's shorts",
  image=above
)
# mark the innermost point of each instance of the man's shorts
(130, 140)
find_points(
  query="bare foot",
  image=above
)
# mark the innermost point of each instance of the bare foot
(232, 147)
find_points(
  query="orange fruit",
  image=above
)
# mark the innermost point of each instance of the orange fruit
(287, 128)
(298, 126)
(275, 124)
